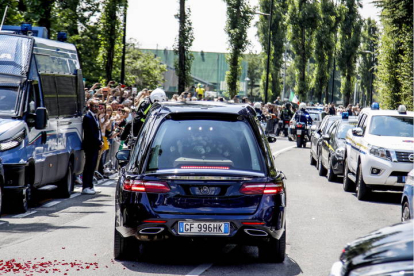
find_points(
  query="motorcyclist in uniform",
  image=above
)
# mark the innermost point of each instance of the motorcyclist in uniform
(302, 115)
(286, 115)
(158, 95)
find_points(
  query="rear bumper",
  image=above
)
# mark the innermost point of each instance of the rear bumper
(169, 231)
(129, 221)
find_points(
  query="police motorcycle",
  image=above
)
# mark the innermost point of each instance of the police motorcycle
(303, 129)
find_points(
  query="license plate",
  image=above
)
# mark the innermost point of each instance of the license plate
(203, 228)
(286, 126)
(298, 131)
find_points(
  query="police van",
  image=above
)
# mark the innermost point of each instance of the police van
(379, 151)
(41, 103)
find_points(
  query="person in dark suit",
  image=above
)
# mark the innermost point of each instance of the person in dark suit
(92, 143)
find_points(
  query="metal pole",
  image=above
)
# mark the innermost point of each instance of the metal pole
(284, 76)
(4, 17)
(124, 46)
(268, 53)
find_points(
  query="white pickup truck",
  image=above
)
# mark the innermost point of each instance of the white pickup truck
(379, 151)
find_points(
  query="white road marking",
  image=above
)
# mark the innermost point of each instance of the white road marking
(199, 269)
(107, 183)
(203, 267)
(24, 214)
(50, 204)
(277, 153)
(74, 195)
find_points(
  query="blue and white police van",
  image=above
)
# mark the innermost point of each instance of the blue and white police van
(41, 103)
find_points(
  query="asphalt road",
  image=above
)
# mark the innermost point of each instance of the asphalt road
(75, 236)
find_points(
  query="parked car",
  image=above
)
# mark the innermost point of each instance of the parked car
(316, 136)
(201, 171)
(385, 252)
(332, 153)
(407, 198)
(379, 151)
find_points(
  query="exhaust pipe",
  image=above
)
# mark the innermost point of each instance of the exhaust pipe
(151, 230)
(256, 232)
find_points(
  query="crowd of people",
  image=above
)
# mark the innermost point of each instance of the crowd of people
(116, 108)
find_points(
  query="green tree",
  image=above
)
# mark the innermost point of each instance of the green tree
(254, 69)
(142, 69)
(14, 13)
(395, 69)
(182, 48)
(110, 38)
(239, 16)
(278, 35)
(368, 62)
(324, 47)
(303, 21)
(349, 39)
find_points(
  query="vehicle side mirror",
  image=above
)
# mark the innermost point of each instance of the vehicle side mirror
(271, 138)
(357, 131)
(313, 128)
(41, 118)
(326, 137)
(123, 156)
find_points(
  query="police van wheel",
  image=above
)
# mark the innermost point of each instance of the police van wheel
(22, 203)
(67, 183)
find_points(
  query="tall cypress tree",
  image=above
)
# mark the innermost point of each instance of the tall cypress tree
(349, 39)
(182, 47)
(239, 16)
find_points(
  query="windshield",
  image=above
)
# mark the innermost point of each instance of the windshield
(8, 96)
(205, 144)
(400, 126)
(343, 129)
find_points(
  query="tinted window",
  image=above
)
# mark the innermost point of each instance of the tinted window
(343, 129)
(205, 144)
(400, 126)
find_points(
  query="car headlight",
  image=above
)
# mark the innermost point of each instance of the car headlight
(13, 142)
(340, 153)
(380, 153)
(394, 268)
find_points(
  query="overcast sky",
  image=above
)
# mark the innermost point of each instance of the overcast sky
(153, 25)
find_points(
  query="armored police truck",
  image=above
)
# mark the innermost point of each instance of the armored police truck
(41, 103)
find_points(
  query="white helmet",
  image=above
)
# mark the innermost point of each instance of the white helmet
(257, 105)
(158, 95)
(302, 106)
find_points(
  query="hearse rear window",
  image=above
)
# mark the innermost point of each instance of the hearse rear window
(205, 144)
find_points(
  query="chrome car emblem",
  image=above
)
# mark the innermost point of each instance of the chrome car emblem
(411, 157)
(205, 190)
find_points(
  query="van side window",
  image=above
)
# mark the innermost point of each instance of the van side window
(50, 95)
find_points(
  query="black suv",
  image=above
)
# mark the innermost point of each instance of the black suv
(201, 170)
